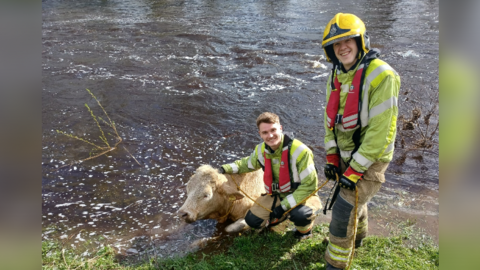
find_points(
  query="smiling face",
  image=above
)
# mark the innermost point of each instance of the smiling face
(346, 52)
(271, 134)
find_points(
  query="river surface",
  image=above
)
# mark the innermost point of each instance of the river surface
(184, 81)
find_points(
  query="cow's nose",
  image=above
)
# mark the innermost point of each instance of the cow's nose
(182, 214)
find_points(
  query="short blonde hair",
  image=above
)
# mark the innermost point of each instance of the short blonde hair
(267, 117)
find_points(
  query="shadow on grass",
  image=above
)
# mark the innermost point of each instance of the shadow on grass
(266, 250)
(280, 250)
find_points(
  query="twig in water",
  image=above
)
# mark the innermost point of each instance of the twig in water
(103, 150)
(131, 155)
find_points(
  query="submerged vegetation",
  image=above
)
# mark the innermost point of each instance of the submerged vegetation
(266, 250)
(98, 150)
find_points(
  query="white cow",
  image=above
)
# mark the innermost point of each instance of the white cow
(210, 195)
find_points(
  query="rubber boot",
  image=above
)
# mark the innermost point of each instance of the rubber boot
(301, 236)
(358, 243)
(331, 267)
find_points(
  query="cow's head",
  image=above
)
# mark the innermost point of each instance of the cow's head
(208, 195)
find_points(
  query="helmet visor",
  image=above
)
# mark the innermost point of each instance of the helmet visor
(339, 39)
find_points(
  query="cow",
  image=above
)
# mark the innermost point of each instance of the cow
(210, 195)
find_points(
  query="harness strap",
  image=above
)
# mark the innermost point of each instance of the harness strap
(328, 199)
(274, 201)
(372, 54)
(274, 221)
(284, 171)
(276, 186)
(335, 195)
(267, 174)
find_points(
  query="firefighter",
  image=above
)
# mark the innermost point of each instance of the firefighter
(360, 129)
(290, 176)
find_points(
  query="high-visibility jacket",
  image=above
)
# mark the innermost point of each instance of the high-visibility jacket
(378, 116)
(302, 169)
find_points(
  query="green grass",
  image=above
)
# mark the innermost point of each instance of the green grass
(267, 250)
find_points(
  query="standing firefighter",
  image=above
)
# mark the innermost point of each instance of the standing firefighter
(289, 177)
(360, 126)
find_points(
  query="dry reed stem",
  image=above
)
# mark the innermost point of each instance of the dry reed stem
(103, 138)
(109, 120)
(105, 122)
(78, 138)
(109, 123)
(97, 155)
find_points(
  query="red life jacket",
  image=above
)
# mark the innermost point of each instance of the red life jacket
(284, 173)
(351, 112)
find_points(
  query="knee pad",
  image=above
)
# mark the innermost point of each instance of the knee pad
(300, 215)
(340, 217)
(253, 221)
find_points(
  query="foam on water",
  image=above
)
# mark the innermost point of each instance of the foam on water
(184, 84)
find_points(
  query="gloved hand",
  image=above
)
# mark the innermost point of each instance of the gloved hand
(277, 212)
(332, 167)
(221, 170)
(350, 178)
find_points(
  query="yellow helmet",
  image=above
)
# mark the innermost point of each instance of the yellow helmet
(344, 26)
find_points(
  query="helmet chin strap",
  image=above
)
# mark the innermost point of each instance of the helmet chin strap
(360, 54)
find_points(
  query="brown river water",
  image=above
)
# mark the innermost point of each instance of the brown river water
(184, 82)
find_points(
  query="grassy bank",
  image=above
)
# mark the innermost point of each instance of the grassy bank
(267, 250)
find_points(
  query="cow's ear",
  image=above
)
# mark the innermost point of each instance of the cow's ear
(213, 184)
(231, 191)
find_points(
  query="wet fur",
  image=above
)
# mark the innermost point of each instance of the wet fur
(218, 188)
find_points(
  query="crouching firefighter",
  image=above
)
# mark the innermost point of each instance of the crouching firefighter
(289, 177)
(360, 125)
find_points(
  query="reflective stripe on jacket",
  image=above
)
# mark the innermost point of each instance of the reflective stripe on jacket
(378, 116)
(302, 169)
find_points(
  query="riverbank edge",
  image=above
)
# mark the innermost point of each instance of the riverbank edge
(265, 250)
